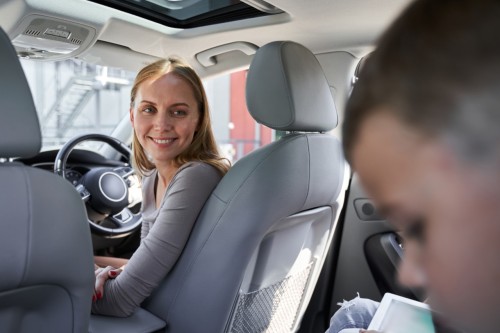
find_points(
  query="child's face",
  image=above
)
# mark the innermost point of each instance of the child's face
(450, 211)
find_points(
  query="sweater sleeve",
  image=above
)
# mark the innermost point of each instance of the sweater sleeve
(160, 249)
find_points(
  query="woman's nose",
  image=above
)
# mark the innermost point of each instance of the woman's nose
(163, 121)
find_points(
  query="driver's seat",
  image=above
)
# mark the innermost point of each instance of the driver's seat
(46, 267)
(257, 248)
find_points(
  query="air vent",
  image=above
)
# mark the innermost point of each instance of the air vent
(76, 41)
(32, 32)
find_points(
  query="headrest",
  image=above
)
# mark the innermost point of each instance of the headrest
(19, 127)
(287, 89)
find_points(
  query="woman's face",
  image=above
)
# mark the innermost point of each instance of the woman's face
(165, 117)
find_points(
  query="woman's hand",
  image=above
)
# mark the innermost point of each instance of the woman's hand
(101, 276)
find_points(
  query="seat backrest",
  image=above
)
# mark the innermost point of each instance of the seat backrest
(45, 248)
(257, 247)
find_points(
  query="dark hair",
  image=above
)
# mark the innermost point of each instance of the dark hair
(203, 148)
(436, 69)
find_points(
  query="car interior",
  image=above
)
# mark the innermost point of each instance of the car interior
(286, 234)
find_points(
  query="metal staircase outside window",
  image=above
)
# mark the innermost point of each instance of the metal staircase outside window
(69, 104)
(72, 87)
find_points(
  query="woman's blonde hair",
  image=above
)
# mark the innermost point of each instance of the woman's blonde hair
(203, 148)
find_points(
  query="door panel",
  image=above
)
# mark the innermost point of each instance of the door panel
(383, 253)
(352, 273)
(363, 258)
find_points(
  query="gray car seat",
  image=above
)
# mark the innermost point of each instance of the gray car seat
(257, 248)
(46, 264)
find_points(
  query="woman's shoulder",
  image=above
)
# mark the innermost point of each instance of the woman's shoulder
(196, 176)
(198, 169)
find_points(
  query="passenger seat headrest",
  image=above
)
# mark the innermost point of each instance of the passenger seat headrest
(288, 91)
(19, 127)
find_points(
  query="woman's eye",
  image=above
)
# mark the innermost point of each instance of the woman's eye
(179, 113)
(148, 110)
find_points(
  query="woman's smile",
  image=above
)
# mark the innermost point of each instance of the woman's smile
(164, 141)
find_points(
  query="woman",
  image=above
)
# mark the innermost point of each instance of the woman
(175, 153)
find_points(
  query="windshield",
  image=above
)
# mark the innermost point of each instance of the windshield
(74, 98)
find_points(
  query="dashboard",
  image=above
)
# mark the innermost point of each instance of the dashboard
(79, 163)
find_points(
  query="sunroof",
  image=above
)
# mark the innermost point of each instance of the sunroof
(188, 13)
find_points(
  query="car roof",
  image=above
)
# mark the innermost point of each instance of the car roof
(118, 38)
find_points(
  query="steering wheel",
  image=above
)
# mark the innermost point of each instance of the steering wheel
(104, 190)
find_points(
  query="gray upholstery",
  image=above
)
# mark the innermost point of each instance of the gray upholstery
(19, 127)
(45, 247)
(287, 90)
(257, 248)
(141, 321)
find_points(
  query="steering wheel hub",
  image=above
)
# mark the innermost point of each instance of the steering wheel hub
(110, 192)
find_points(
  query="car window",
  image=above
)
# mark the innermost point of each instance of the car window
(74, 98)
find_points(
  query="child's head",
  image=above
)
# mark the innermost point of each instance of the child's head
(422, 129)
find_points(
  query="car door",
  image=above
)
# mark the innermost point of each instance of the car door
(363, 260)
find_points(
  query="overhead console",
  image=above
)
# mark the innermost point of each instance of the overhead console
(47, 38)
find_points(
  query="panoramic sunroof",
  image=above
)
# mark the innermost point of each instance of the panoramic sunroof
(188, 13)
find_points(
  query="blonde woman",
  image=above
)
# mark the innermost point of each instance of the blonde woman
(175, 153)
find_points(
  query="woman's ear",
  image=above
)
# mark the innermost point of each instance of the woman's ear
(131, 114)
